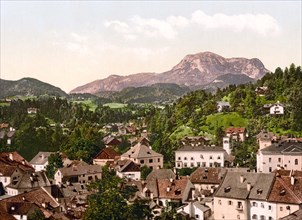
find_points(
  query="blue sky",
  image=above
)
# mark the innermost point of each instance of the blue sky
(70, 43)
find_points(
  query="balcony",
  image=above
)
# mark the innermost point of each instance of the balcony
(239, 208)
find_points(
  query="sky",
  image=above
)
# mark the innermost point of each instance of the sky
(71, 43)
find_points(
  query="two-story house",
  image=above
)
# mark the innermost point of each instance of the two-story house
(40, 161)
(199, 156)
(144, 155)
(285, 154)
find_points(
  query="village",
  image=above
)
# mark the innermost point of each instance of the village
(216, 189)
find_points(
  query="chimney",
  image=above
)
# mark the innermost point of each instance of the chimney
(292, 180)
(171, 180)
(241, 179)
(43, 156)
(248, 187)
(168, 189)
(212, 190)
(11, 156)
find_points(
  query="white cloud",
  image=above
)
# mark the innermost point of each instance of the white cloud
(259, 23)
(262, 24)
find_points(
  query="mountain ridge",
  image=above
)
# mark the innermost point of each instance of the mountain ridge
(193, 70)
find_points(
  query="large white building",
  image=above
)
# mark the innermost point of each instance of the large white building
(286, 154)
(199, 156)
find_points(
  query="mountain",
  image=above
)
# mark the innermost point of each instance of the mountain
(28, 87)
(160, 92)
(193, 70)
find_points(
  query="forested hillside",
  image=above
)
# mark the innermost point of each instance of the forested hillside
(196, 114)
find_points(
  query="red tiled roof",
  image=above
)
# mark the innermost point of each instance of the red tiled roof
(231, 130)
(171, 190)
(107, 153)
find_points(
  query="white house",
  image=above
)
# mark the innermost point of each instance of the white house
(286, 154)
(128, 169)
(223, 106)
(195, 210)
(199, 156)
(277, 109)
(40, 161)
(144, 155)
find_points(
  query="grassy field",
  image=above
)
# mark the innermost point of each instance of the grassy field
(90, 103)
(115, 105)
(224, 120)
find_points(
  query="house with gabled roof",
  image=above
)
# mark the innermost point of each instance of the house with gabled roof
(236, 133)
(285, 154)
(199, 156)
(106, 156)
(78, 174)
(161, 174)
(39, 197)
(223, 106)
(40, 161)
(144, 155)
(28, 182)
(236, 196)
(127, 169)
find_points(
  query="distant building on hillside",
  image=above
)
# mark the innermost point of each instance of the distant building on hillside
(223, 106)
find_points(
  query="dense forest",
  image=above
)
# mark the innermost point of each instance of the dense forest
(77, 130)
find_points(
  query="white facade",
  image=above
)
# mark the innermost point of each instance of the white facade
(262, 210)
(267, 163)
(230, 209)
(195, 210)
(40, 167)
(227, 145)
(135, 175)
(276, 109)
(199, 158)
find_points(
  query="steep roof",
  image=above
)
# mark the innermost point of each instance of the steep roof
(18, 208)
(107, 153)
(285, 147)
(208, 175)
(284, 191)
(232, 187)
(129, 166)
(161, 174)
(41, 158)
(297, 215)
(38, 196)
(30, 181)
(141, 151)
(200, 148)
(14, 159)
(80, 170)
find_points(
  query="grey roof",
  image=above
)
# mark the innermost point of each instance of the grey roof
(200, 148)
(232, 187)
(264, 135)
(201, 207)
(80, 170)
(161, 174)
(30, 181)
(287, 147)
(41, 158)
(141, 151)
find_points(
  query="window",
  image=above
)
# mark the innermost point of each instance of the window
(185, 165)
(211, 157)
(211, 164)
(296, 161)
(270, 169)
(281, 208)
(270, 218)
(192, 164)
(203, 164)
(262, 205)
(197, 216)
(238, 216)
(142, 161)
(262, 217)
(158, 160)
(219, 202)
(5, 179)
(269, 207)
(185, 158)
(269, 159)
(279, 160)
(150, 160)
(178, 164)
(254, 217)
(255, 204)
(179, 158)
(89, 177)
(218, 158)
(201, 156)
(198, 164)
(230, 202)
(192, 158)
